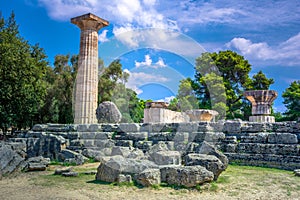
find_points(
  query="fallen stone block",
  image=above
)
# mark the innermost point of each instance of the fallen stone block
(60, 171)
(70, 174)
(188, 176)
(211, 163)
(148, 177)
(110, 170)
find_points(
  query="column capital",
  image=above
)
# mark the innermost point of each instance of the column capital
(89, 21)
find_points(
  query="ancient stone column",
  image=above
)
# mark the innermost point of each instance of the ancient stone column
(261, 101)
(86, 93)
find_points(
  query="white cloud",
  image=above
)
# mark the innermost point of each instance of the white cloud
(149, 63)
(286, 53)
(246, 47)
(103, 37)
(166, 99)
(138, 79)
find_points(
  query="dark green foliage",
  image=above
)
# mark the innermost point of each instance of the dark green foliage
(223, 77)
(112, 88)
(60, 80)
(291, 98)
(22, 71)
(261, 82)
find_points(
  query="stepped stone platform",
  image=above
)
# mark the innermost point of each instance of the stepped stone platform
(252, 143)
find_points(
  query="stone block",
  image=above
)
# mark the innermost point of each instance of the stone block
(148, 177)
(166, 157)
(129, 127)
(135, 136)
(230, 139)
(110, 128)
(282, 138)
(156, 136)
(39, 127)
(255, 138)
(124, 143)
(143, 145)
(83, 127)
(188, 127)
(233, 126)
(103, 135)
(211, 163)
(121, 151)
(189, 176)
(253, 127)
(122, 178)
(95, 128)
(86, 135)
(101, 144)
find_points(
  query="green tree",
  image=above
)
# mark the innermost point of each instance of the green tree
(234, 70)
(186, 95)
(111, 86)
(60, 88)
(108, 79)
(291, 98)
(22, 71)
(261, 82)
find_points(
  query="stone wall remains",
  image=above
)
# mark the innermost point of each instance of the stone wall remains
(260, 144)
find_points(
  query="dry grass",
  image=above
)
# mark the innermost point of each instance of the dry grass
(237, 182)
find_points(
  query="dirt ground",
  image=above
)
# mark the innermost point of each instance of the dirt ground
(237, 182)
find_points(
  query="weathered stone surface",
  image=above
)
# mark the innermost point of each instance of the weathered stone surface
(96, 154)
(124, 143)
(129, 127)
(270, 160)
(282, 138)
(10, 161)
(253, 127)
(276, 149)
(188, 176)
(255, 138)
(166, 157)
(208, 149)
(133, 136)
(211, 163)
(108, 112)
(68, 156)
(233, 126)
(37, 163)
(197, 115)
(110, 170)
(148, 177)
(143, 145)
(124, 178)
(160, 146)
(59, 171)
(297, 172)
(121, 151)
(136, 154)
(70, 174)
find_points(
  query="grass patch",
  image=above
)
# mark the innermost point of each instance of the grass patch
(237, 181)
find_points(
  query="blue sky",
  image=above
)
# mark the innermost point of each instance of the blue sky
(158, 40)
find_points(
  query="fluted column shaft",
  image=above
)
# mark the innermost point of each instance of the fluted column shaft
(86, 94)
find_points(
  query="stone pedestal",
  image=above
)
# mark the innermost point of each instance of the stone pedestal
(86, 94)
(261, 101)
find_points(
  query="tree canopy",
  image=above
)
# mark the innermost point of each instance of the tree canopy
(223, 77)
(22, 71)
(291, 98)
